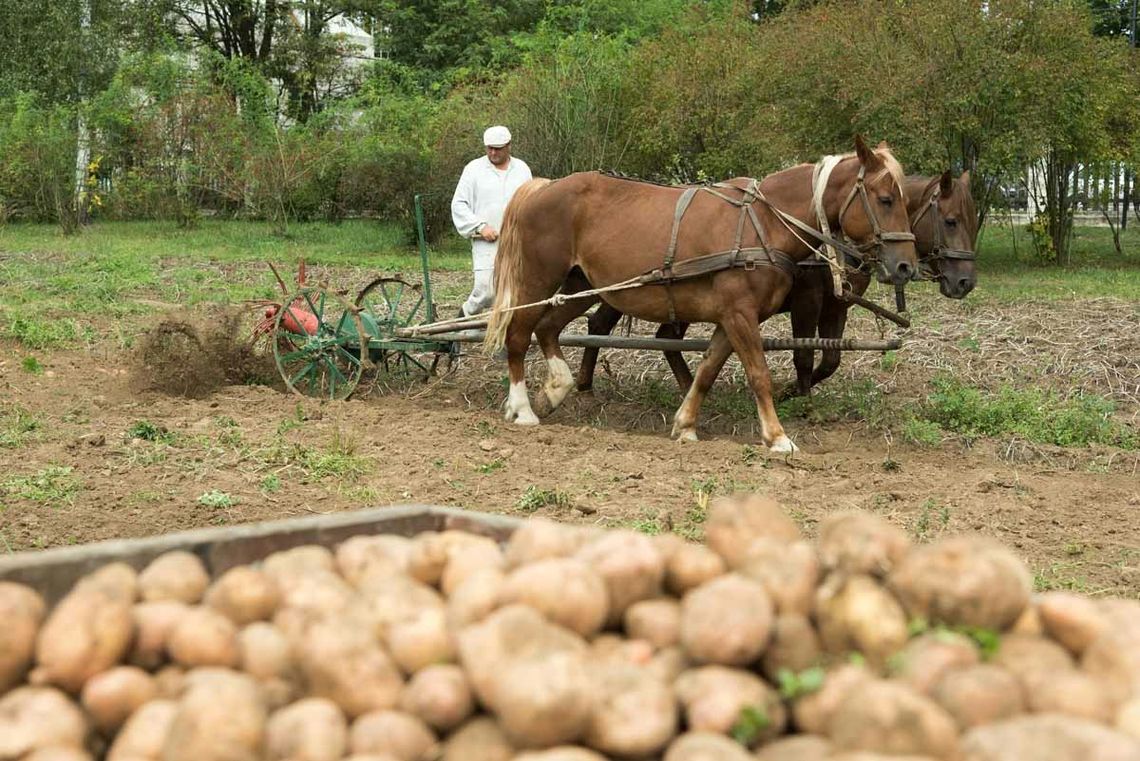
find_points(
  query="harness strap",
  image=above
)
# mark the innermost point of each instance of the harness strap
(671, 253)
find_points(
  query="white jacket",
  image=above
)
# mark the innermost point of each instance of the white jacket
(480, 198)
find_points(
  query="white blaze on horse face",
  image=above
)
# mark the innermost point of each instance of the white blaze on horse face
(518, 406)
(559, 382)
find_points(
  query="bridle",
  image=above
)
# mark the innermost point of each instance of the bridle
(862, 254)
(939, 251)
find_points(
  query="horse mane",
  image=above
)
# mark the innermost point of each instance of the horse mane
(642, 180)
(891, 166)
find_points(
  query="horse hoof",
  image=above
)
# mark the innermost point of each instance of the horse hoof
(526, 419)
(783, 445)
(685, 434)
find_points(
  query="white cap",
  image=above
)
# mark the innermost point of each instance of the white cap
(496, 137)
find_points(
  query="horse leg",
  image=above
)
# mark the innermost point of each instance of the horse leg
(832, 322)
(744, 333)
(601, 323)
(559, 379)
(806, 307)
(675, 359)
(517, 408)
(685, 421)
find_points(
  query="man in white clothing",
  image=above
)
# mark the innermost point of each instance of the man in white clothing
(484, 188)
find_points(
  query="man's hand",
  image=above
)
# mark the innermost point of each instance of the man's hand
(489, 234)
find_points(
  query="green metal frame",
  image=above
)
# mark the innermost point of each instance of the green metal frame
(421, 233)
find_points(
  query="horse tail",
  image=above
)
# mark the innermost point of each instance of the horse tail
(509, 265)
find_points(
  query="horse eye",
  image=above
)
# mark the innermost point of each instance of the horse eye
(951, 223)
(886, 200)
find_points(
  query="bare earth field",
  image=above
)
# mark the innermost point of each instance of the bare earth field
(92, 446)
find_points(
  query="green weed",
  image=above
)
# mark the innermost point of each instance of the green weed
(148, 431)
(32, 365)
(535, 498)
(216, 500)
(487, 468)
(271, 484)
(17, 427)
(933, 518)
(36, 333)
(54, 485)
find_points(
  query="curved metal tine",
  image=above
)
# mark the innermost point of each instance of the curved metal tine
(320, 314)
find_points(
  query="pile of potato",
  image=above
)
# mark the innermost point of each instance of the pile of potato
(577, 644)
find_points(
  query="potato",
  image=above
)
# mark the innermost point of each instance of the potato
(1048, 737)
(615, 649)
(396, 599)
(812, 712)
(170, 681)
(515, 631)
(439, 696)
(705, 746)
(543, 700)
(1071, 693)
(657, 621)
(1114, 659)
(796, 748)
(979, 694)
(38, 717)
(789, 572)
(926, 658)
(717, 699)
(631, 566)
(864, 755)
(541, 539)
(112, 696)
(360, 557)
(466, 559)
(265, 653)
(58, 753)
(179, 576)
(88, 631)
(1128, 718)
(313, 729)
(1029, 622)
(667, 664)
(727, 621)
(1023, 655)
(687, 565)
(298, 562)
(480, 739)
(475, 598)
(1071, 620)
(431, 551)
(144, 733)
(319, 593)
(562, 753)
(219, 718)
(564, 590)
(204, 637)
(634, 712)
(345, 664)
(154, 622)
(856, 542)
(891, 718)
(735, 522)
(394, 733)
(794, 646)
(371, 757)
(421, 641)
(244, 595)
(856, 613)
(22, 611)
(964, 581)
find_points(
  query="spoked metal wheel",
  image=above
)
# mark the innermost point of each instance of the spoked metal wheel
(320, 344)
(388, 303)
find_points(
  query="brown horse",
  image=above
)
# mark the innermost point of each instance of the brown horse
(616, 230)
(945, 225)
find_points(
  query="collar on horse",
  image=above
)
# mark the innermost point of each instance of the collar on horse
(940, 250)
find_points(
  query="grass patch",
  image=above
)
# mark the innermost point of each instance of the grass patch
(32, 365)
(36, 333)
(857, 400)
(17, 427)
(216, 500)
(148, 431)
(1039, 416)
(933, 519)
(535, 498)
(54, 485)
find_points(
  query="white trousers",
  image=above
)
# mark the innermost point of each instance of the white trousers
(482, 294)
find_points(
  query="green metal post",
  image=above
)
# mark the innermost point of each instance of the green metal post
(424, 257)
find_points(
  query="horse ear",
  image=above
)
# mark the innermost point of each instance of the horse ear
(946, 184)
(867, 157)
(965, 178)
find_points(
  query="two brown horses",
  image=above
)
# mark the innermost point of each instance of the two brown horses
(944, 223)
(614, 230)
